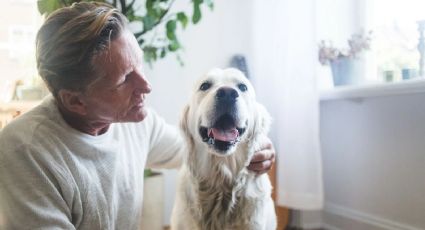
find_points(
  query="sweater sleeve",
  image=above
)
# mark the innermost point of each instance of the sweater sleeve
(166, 145)
(31, 192)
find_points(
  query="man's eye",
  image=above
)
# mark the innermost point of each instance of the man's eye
(125, 79)
(242, 87)
(205, 86)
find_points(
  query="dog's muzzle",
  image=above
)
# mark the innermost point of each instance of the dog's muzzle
(223, 132)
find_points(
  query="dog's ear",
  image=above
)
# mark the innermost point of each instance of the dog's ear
(184, 122)
(184, 126)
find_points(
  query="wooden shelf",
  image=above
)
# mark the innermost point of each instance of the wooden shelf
(18, 105)
(10, 110)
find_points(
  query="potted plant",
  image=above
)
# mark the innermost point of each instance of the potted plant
(346, 67)
(153, 200)
(155, 24)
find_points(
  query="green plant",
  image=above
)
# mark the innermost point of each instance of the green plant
(147, 173)
(149, 21)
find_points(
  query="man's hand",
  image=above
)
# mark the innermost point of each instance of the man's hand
(263, 159)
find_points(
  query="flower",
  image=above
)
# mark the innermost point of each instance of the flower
(357, 43)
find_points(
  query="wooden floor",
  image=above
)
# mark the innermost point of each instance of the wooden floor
(282, 213)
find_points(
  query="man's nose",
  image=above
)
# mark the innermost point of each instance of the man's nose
(142, 85)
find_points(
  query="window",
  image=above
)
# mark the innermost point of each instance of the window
(396, 34)
(394, 54)
(19, 22)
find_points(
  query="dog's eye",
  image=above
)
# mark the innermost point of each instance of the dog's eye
(242, 87)
(205, 86)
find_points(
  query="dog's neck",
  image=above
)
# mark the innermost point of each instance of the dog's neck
(219, 182)
(204, 165)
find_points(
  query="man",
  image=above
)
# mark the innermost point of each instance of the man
(77, 160)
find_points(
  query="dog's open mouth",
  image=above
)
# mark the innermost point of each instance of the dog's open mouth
(223, 134)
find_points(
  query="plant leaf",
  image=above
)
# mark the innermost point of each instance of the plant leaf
(196, 17)
(48, 6)
(140, 41)
(148, 22)
(130, 14)
(210, 4)
(182, 18)
(149, 53)
(163, 53)
(179, 59)
(147, 173)
(149, 5)
(171, 29)
(174, 45)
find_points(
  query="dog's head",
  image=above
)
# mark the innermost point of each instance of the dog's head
(223, 111)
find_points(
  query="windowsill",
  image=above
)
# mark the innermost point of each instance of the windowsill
(374, 90)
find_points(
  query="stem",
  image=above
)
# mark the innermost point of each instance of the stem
(123, 7)
(131, 4)
(169, 16)
(153, 36)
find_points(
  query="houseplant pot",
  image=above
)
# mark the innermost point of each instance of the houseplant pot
(347, 71)
(153, 202)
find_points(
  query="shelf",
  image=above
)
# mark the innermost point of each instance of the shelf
(12, 109)
(374, 90)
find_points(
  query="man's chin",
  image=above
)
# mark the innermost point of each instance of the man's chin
(137, 116)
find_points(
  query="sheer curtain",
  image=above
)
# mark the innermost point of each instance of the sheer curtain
(284, 61)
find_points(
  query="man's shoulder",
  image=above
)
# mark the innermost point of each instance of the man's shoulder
(36, 123)
(20, 127)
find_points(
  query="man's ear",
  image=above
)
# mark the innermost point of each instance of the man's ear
(72, 101)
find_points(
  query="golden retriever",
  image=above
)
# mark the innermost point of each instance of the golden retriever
(223, 125)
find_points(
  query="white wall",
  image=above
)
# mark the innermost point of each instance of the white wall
(374, 162)
(337, 20)
(221, 33)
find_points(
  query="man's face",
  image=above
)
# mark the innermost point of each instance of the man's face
(119, 92)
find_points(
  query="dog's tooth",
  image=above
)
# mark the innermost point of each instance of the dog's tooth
(211, 141)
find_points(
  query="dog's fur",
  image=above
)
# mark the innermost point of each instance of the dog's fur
(215, 190)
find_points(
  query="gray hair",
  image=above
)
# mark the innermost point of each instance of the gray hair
(70, 38)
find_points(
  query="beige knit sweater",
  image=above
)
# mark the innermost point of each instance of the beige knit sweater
(55, 177)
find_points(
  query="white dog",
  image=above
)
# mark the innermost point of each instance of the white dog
(224, 125)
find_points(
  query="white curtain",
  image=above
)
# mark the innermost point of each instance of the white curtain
(283, 64)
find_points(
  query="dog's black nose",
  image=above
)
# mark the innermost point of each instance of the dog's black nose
(227, 94)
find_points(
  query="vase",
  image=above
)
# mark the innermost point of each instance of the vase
(348, 71)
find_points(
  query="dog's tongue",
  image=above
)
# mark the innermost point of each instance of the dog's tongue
(224, 135)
